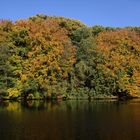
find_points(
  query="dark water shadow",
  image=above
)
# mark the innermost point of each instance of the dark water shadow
(70, 120)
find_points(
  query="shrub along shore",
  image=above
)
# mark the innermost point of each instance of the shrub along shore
(45, 57)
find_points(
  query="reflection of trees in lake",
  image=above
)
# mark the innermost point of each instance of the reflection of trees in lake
(10, 106)
(69, 120)
(70, 105)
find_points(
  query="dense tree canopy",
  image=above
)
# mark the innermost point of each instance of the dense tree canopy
(48, 57)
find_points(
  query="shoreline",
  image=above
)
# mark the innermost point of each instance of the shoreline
(71, 98)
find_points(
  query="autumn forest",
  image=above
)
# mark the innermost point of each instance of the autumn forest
(46, 57)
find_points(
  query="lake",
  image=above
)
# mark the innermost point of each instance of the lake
(70, 120)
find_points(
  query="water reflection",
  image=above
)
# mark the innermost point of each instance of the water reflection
(70, 120)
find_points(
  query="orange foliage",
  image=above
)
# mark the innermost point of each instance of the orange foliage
(121, 50)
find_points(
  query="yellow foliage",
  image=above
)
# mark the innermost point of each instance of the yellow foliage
(23, 77)
(13, 92)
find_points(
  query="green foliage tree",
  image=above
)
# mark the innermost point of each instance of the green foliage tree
(89, 78)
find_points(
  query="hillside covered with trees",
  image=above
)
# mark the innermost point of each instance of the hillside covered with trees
(44, 57)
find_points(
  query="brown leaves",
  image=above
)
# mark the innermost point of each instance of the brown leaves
(121, 50)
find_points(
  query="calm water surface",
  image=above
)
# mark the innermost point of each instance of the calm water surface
(70, 120)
